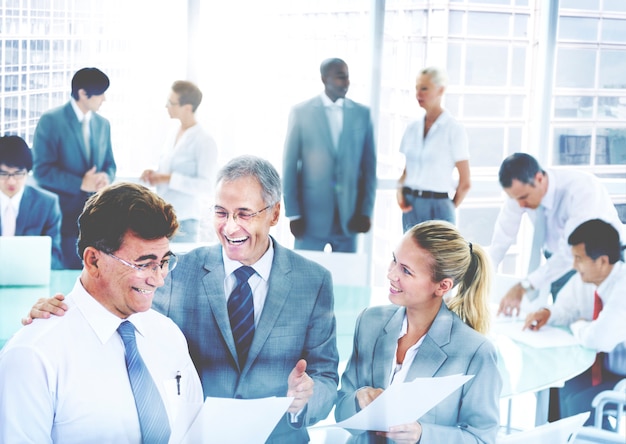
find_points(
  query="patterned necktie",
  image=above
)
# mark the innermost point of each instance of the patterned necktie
(155, 426)
(8, 221)
(241, 313)
(596, 368)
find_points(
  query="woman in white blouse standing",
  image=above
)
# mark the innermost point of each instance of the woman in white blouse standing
(188, 164)
(433, 147)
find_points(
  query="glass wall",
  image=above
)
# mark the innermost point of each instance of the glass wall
(254, 60)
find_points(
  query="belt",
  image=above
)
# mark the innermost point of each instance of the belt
(424, 194)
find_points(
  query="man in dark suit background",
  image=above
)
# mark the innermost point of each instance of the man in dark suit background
(33, 212)
(72, 154)
(329, 166)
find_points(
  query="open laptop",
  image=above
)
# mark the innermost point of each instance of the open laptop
(25, 260)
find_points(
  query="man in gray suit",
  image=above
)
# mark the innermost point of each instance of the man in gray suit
(72, 154)
(329, 166)
(293, 351)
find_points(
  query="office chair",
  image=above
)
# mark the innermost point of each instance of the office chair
(595, 433)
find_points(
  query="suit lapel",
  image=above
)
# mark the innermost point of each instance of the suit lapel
(22, 214)
(385, 348)
(77, 132)
(429, 356)
(213, 284)
(278, 289)
(322, 123)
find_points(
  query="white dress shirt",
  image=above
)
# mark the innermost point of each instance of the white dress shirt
(64, 379)
(192, 162)
(400, 371)
(258, 282)
(573, 197)
(430, 161)
(574, 307)
(334, 114)
(5, 201)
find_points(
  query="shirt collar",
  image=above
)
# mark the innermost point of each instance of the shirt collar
(604, 288)
(102, 321)
(262, 267)
(548, 199)
(329, 103)
(5, 200)
(79, 114)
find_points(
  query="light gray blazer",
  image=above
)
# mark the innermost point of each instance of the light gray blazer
(297, 322)
(316, 175)
(470, 414)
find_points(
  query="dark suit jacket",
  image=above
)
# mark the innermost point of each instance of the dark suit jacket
(60, 159)
(316, 176)
(297, 322)
(470, 414)
(40, 215)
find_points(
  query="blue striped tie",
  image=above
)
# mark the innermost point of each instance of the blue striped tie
(241, 313)
(155, 426)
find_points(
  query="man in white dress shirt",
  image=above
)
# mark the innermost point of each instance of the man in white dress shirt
(567, 197)
(65, 379)
(593, 305)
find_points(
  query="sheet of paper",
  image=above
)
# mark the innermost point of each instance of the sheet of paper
(404, 403)
(558, 432)
(227, 420)
(545, 337)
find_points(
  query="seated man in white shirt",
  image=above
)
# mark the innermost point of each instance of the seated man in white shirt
(596, 321)
(74, 378)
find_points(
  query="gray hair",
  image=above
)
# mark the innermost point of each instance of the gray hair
(437, 75)
(262, 170)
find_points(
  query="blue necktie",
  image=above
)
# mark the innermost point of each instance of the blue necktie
(241, 313)
(155, 426)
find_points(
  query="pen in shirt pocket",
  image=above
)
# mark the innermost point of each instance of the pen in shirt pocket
(178, 376)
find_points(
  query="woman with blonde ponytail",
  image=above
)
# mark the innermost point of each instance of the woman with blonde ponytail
(420, 335)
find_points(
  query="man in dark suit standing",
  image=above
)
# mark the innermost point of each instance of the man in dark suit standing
(72, 154)
(26, 210)
(329, 166)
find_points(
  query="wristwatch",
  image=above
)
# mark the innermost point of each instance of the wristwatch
(526, 285)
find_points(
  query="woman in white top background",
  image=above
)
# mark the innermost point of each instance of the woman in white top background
(188, 164)
(433, 147)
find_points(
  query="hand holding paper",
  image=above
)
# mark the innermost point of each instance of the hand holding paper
(404, 403)
(300, 387)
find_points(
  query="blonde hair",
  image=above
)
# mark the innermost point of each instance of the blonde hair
(465, 263)
(438, 75)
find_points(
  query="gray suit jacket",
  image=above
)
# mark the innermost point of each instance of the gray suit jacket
(470, 414)
(297, 322)
(316, 176)
(60, 159)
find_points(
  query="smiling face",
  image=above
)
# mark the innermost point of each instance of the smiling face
(410, 277)
(590, 270)
(244, 241)
(120, 288)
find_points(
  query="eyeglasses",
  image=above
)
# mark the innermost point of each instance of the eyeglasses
(5, 175)
(242, 216)
(170, 103)
(165, 266)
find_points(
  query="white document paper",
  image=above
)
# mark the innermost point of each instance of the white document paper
(404, 403)
(227, 420)
(558, 432)
(545, 337)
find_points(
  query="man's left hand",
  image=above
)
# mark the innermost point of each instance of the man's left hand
(300, 386)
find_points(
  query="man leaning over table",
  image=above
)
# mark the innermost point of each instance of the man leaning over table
(593, 305)
(293, 351)
(565, 198)
(111, 369)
